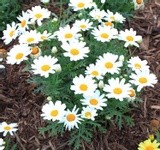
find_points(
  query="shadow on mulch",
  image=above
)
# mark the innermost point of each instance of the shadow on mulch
(19, 103)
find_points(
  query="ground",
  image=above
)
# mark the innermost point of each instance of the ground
(19, 103)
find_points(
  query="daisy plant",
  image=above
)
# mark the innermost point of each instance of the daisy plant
(81, 63)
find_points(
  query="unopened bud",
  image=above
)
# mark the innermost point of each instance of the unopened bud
(49, 98)
(58, 68)
(54, 49)
(45, 1)
(101, 84)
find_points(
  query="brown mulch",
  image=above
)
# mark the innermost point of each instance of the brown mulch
(19, 103)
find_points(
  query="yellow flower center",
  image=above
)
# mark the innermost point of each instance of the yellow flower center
(130, 38)
(54, 113)
(113, 18)
(45, 67)
(83, 87)
(93, 101)
(104, 35)
(35, 50)
(95, 73)
(139, 1)
(23, 23)
(149, 148)
(109, 65)
(31, 39)
(132, 93)
(19, 55)
(74, 51)
(7, 128)
(38, 16)
(117, 91)
(83, 26)
(138, 66)
(71, 117)
(68, 35)
(108, 24)
(11, 33)
(143, 80)
(88, 115)
(80, 5)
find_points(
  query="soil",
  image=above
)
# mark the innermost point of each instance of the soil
(19, 103)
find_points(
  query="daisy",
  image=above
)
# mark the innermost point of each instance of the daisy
(24, 21)
(18, 54)
(79, 4)
(44, 65)
(135, 63)
(83, 24)
(5, 128)
(66, 33)
(89, 113)
(53, 111)
(117, 89)
(35, 52)
(132, 95)
(109, 63)
(96, 100)
(71, 119)
(75, 50)
(149, 145)
(2, 143)
(45, 36)
(95, 71)
(138, 4)
(83, 85)
(104, 33)
(110, 16)
(142, 79)
(30, 37)
(130, 37)
(10, 33)
(38, 14)
(108, 24)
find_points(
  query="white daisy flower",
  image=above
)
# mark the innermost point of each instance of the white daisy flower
(71, 119)
(98, 14)
(44, 65)
(66, 33)
(132, 95)
(10, 33)
(130, 37)
(142, 79)
(94, 71)
(138, 4)
(45, 36)
(30, 37)
(75, 50)
(117, 89)
(83, 85)
(38, 14)
(104, 33)
(18, 54)
(109, 63)
(35, 52)
(89, 113)
(24, 21)
(53, 111)
(108, 24)
(135, 63)
(5, 128)
(2, 143)
(79, 4)
(83, 24)
(96, 100)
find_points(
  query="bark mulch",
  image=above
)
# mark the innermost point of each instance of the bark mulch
(19, 104)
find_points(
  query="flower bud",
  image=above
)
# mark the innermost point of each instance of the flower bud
(121, 58)
(101, 84)
(45, 1)
(58, 68)
(49, 98)
(54, 49)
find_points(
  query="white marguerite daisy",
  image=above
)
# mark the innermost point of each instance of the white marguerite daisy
(71, 119)
(83, 24)
(18, 54)
(117, 89)
(46, 36)
(89, 113)
(30, 37)
(38, 14)
(135, 63)
(23, 22)
(79, 4)
(96, 100)
(109, 63)
(83, 85)
(142, 79)
(104, 33)
(132, 95)
(2, 143)
(10, 33)
(66, 33)
(35, 52)
(44, 65)
(5, 128)
(108, 24)
(95, 71)
(138, 4)
(75, 50)
(130, 37)
(53, 111)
